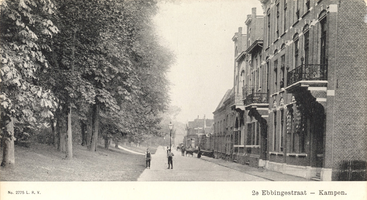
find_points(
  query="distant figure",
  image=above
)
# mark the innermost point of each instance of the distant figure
(182, 150)
(147, 159)
(170, 158)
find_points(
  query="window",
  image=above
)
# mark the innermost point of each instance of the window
(281, 130)
(323, 48)
(275, 132)
(277, 32)
(275, 75)
(297, 10)
(268, 27)
(296, 50)
(282, 74)
(307, 45)
(296, 128)
(257, 134)
(285, 16)
(260, 78)
(253, 133)
(267, 75)
(236, 136)
(249, 133)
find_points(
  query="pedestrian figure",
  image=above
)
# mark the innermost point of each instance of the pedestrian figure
(170, 159)
(147, 159)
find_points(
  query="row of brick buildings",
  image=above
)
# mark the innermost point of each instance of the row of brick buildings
(298, 104)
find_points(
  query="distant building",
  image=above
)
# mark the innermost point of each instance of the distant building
(223, 127)
(196, 130)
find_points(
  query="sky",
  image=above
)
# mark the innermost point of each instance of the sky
(199, 33)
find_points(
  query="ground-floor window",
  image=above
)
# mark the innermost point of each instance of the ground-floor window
(275, 141)
(253, 133)
(249, 133)
(296, 130)
(281, 130)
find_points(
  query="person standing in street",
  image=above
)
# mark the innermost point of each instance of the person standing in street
(147, 159)
(170, 158)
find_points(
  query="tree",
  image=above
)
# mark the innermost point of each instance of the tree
(25, 31)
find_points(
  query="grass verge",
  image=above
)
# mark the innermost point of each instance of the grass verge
(42, 162)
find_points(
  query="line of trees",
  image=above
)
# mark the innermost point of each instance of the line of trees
(98, 60)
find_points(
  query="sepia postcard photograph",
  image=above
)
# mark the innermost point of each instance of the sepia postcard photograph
(183, 99)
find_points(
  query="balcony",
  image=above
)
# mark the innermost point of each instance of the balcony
(307, 72)
(257, 98)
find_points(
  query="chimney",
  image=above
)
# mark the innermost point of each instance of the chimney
(240, 30)
(253, 12)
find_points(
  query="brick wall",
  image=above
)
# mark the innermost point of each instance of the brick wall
(350, 137)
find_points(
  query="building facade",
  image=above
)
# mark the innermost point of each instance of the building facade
(298, 105)
(315, 53)
(224, 127)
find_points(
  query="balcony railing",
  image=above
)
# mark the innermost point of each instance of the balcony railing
(307, 72)
(257, 98)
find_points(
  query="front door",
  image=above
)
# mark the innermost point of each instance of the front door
(317, 134)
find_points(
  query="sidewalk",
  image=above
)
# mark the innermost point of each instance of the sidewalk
(259, 172)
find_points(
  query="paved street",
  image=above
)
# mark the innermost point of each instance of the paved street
(206, 169)
(191, 169)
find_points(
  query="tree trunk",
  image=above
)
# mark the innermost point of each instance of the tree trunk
(89, 132)
(83, 128)
(62, 134)
(95, 127)
(8, 142)
(69, 137)
(107, 142)
(58, 132)
(52, 122)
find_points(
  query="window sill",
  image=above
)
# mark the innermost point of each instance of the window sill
(276, 153)
(299, 155)
(252, 146)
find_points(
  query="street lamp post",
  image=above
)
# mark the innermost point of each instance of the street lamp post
(170, 133)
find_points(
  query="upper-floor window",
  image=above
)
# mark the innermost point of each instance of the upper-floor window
(282, 72)
(306, 43)
(297, 9)
(323, 43)
(296, 49)
(285, 15)
(275, 75)
(323, 40)
(268, 20)
(278, 15)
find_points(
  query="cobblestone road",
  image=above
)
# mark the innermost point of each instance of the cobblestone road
(191, 169)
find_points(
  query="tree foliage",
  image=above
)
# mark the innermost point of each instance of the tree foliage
(80, 54)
